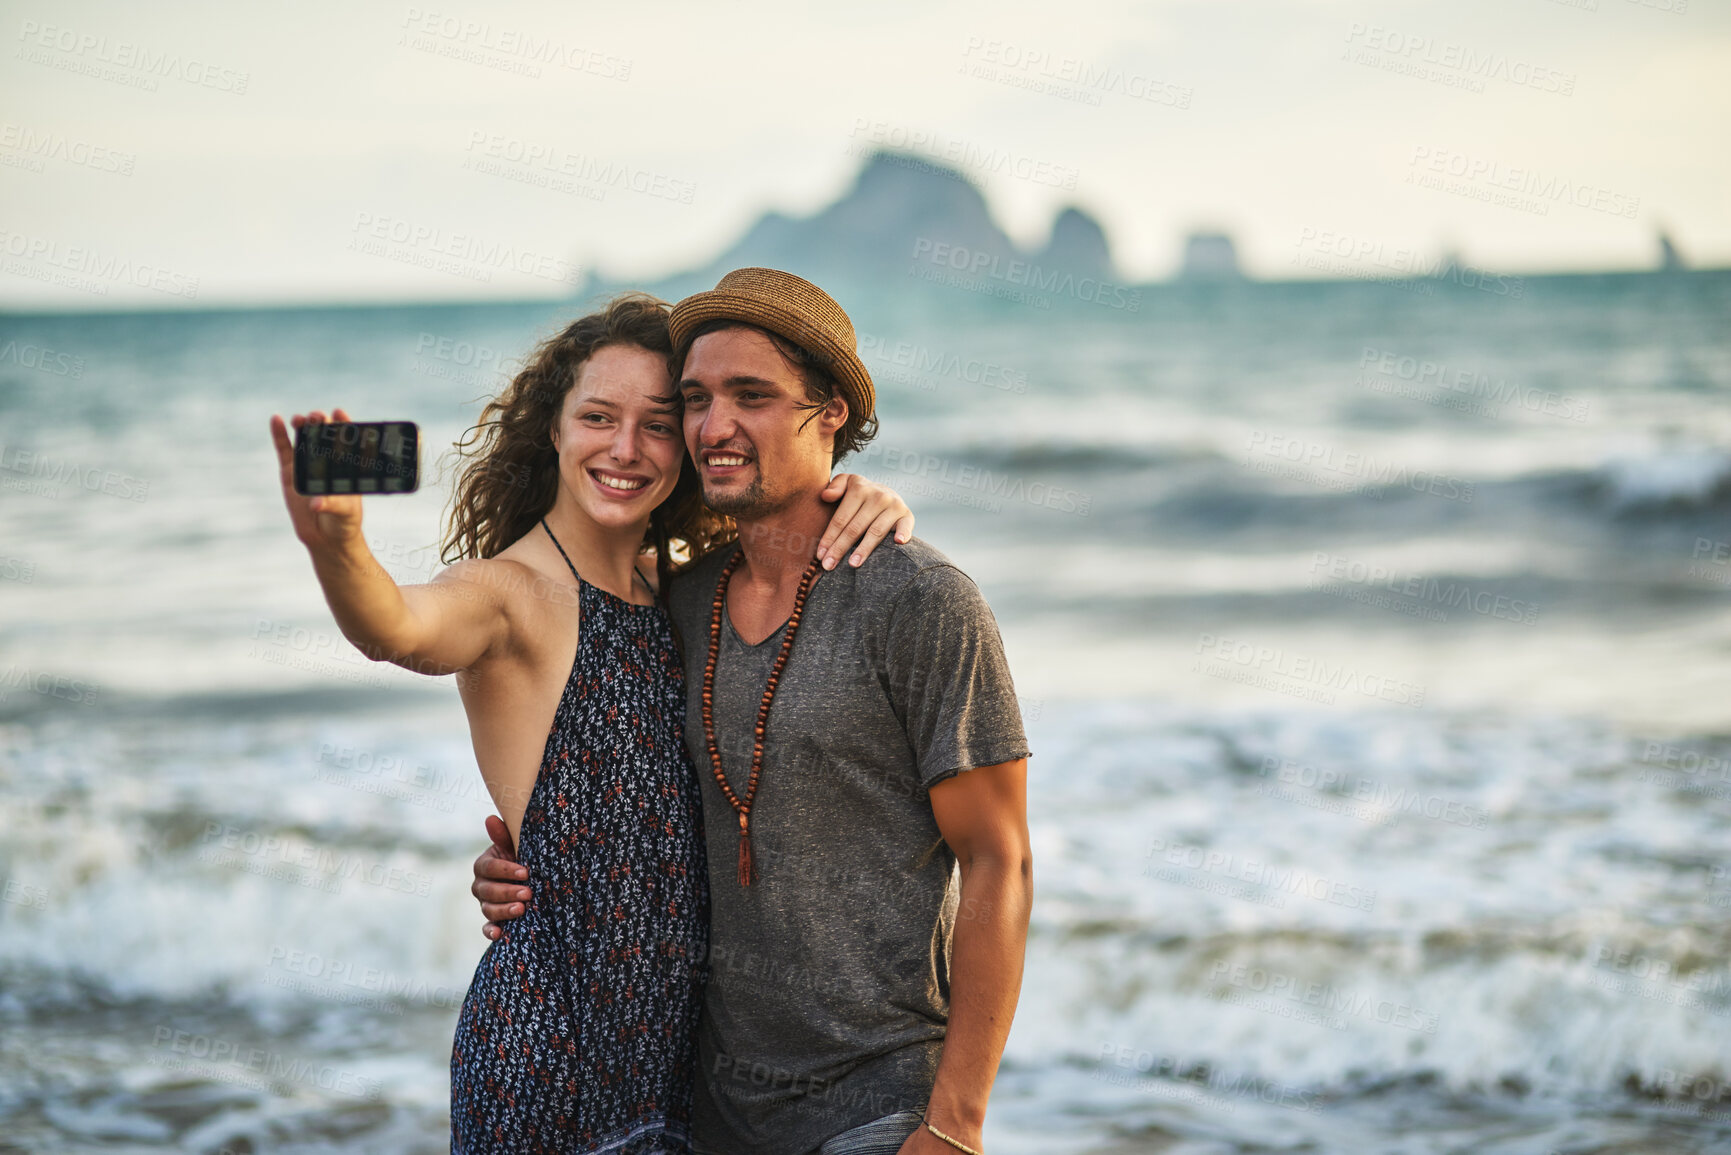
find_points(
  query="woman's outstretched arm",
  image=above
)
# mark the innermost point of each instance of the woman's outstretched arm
(438, 628)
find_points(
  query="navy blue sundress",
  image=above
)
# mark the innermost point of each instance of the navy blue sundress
(579, 1029)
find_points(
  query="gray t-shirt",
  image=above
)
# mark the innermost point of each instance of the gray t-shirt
(829, 975)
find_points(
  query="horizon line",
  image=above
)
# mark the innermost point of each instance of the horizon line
(604, 288)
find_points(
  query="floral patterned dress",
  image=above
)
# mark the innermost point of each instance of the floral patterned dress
(578, 1032)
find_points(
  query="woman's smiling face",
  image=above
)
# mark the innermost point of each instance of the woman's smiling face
(618, 436)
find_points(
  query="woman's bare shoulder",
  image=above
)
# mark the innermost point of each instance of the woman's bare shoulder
(519, 577)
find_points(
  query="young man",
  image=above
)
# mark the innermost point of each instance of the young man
(857, 735)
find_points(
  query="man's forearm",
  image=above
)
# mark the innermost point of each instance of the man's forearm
(986, 952)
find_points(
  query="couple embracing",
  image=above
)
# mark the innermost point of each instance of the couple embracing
(762, 879)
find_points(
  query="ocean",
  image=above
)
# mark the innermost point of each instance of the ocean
(1373, 640)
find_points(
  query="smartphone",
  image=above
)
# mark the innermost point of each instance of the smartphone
(357, 457)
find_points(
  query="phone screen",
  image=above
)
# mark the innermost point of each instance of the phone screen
(357, 457)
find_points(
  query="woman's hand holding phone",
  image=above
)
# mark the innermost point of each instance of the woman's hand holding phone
(328, 522)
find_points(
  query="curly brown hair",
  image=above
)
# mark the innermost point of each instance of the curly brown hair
(509, 470)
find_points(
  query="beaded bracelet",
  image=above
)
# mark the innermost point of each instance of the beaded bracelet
(956, 1143)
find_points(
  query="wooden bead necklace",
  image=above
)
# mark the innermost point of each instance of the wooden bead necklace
(743, 809)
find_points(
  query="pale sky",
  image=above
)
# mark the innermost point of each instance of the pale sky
(343, 151)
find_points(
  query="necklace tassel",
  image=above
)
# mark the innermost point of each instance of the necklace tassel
(746, 874)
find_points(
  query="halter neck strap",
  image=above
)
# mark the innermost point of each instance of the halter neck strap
(573, 568)
(562, 552)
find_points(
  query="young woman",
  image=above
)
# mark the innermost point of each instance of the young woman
(577, 1032)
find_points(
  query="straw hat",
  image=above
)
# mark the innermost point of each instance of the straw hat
(790, 307)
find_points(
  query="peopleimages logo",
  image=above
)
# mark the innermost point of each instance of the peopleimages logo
(345, 981)
(460, 254)
(949, 150)
(1199, 1074)
(990, 269)
(515, 50)
(1274, 667)
(1281, 879)
(1383, 803)
(1444, 61)
(1398, 372)
(547, 165)
(326, 869)
(18, 465)
(1329, 251)
(1066, 77)
(1350, 470)
(921, 366)
(74, 690)
(85, 268)
(1329, 1003)
(211, 1056)
(42, 359)
(39, 145)
(122, 61)
(1331, 573)
(991, 488)
(1543, 187)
